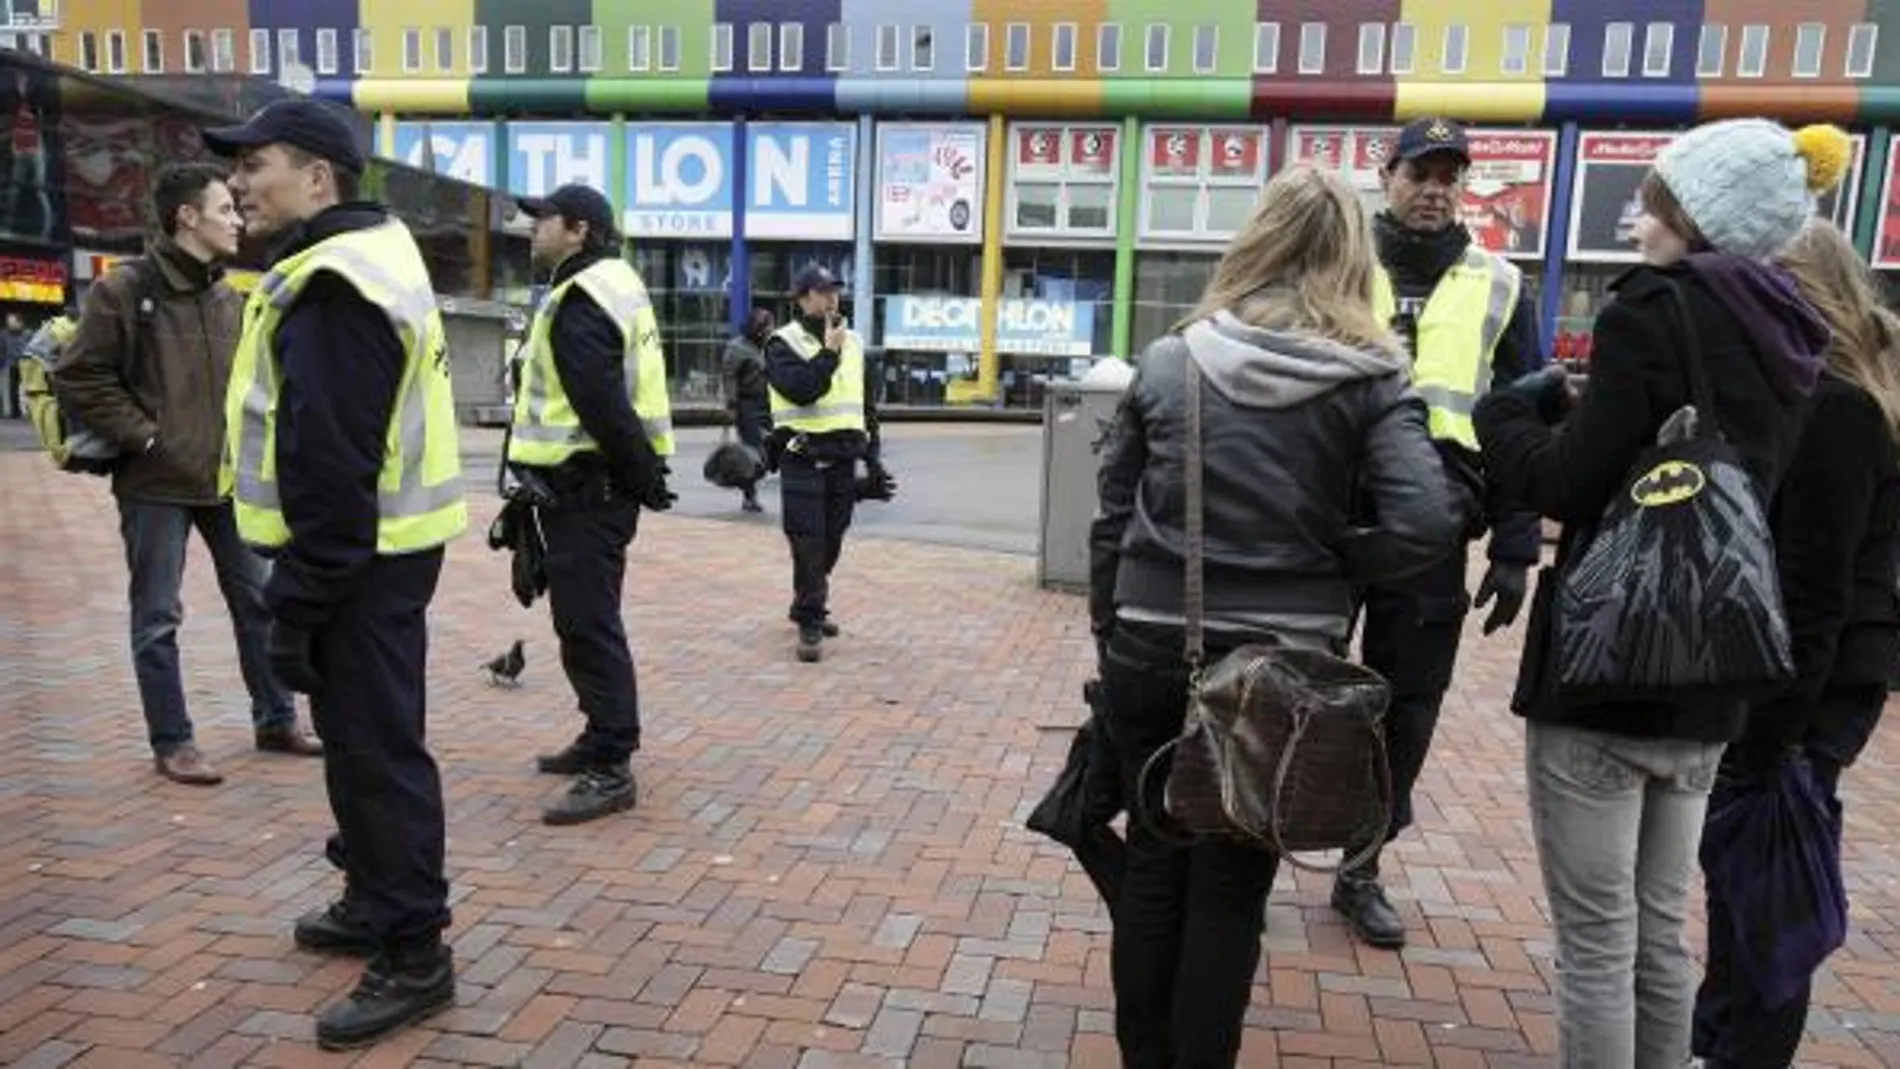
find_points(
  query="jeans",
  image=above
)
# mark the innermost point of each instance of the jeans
(384, 786)
(1618, 821)
(1188, 920)
(1412, 631)
(155, 536)
(817, 503)
(587, 568)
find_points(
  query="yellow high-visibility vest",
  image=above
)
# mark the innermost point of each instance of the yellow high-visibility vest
(1458, 333)
(419, 495)
(842, 406)
(547, 431)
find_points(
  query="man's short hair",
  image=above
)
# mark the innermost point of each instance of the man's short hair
(179, 185)
(349, 184)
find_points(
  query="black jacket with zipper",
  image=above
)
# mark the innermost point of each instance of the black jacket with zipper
(1761, 344)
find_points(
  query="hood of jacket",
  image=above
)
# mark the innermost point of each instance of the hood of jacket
(1262, 368)
(1791, 338)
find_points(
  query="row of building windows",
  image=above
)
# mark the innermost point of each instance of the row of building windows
(1382, 49)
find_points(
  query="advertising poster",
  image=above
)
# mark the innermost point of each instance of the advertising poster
(930, 182)
(32, 280)
(1063, 180)
(1610, 170)
(1887, 236)
(460, 150)
(954, 325)
(1507, 191)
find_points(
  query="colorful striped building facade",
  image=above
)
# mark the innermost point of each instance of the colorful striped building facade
(1107, 147)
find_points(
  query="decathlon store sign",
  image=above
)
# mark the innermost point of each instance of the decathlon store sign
(464, 150)
(543, 156)
(800, 180)
(955, 325)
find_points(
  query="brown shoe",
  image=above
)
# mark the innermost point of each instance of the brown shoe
(290, 739)
(187, 765)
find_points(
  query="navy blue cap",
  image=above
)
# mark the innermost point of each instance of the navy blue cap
(311, 125)
(1422, 137)
(576, 203)
(814, 277)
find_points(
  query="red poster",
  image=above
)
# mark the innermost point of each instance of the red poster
(1318, 147)
(1092, 151)
(1371, 148)
(1236, 154)
(1507, 190)
(1039, 147)
(1624, 148)
(1174, 151)
(1887, 241)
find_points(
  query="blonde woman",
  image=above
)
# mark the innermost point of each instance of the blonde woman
(1306, 412)
(1835, 522)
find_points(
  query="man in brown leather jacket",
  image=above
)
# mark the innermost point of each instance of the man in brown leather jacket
(148, 370)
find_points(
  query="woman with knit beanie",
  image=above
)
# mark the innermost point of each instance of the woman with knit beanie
(1618, 790)
(1835, 523)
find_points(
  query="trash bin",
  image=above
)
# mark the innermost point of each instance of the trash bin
(1075, 421)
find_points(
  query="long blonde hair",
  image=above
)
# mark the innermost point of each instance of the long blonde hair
(1304, 261)
(1866, 346)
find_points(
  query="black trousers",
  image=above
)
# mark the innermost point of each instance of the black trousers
(1188, 919)
(816, 503)
(385, 791)
(587, 568)
(1411, 634)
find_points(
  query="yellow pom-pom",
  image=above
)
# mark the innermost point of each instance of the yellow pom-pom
(1828, 151)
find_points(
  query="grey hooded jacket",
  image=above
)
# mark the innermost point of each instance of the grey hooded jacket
(1320, 477)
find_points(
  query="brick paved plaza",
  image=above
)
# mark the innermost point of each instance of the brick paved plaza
(827, 867)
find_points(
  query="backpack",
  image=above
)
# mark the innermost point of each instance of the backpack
(71, 445)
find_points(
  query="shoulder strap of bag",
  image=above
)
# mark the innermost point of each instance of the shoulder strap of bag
(1701, 390)
(1194, 593)
(143, 310)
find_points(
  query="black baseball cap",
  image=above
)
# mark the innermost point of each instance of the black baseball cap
(813, 278)
(311, 125)
(1422, 137)
(576, 203)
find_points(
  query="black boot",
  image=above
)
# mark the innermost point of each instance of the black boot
(600, 790)
(571, 761)
(400, 987)
(811, 643)
(333, 929)
(1359, 898)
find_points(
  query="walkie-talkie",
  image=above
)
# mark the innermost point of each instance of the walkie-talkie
(1405, 322)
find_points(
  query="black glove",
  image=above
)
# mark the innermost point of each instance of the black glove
(292, 657)
(657, 497)
(877, 484)
(1507, 583)
(1548, 390)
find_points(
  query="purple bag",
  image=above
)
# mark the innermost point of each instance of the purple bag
(1771, 848)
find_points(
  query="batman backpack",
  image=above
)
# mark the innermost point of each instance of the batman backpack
(1677, 596)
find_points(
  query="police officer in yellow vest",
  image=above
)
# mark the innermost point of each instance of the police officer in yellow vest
(823, 424)
(1469, 323)
(592, 424)
(342, 458)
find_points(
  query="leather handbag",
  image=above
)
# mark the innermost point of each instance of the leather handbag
(1282, 748)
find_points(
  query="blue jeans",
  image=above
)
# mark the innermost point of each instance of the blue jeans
(155, 537)
(1617, 822)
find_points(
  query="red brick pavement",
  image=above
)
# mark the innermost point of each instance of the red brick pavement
(827, 867)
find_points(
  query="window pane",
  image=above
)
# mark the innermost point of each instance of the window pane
(590, 48)
(976, 46)
(1860, 49)
(1454, 50)
(1064, 57)
(1557, 49)
(1312, 48)
(1371, 47)
(1018, 57)
(670, 48)
(1710, 50)
(1108, 48)
(837, 46)
(1266, 47)
(1404, 47)
(1616, 49)
(1206, 48)
(444, 48)
(1754, 58)
(1517, 49)
(1810, 38)
(1228, 207)
(1657, 42)
(923, 49)
(1088, 206)
(1036, 205)
(1157, 47)
(1171, 208)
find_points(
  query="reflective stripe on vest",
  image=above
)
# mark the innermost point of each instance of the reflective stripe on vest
(546, 429)
(842, 406)
(420, 501)
(1458, 334)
